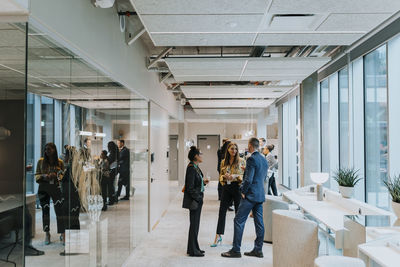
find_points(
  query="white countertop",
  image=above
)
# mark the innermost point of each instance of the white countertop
(380, 252)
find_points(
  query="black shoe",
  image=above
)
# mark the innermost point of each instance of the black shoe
(198, 254)
(124, 198)
(202, 251)
(104, 208)
(231, 254)
(31, 251)
(110, 203)
(253, 253)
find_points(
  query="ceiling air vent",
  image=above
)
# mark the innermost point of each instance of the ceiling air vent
(292, 22)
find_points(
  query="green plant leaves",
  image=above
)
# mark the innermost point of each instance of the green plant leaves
(393, 186)
(347, 177)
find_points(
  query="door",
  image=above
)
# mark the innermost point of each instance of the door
(208, 145)
(173, 157)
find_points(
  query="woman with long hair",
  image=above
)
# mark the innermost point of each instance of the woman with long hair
(231, 177)
(193, 200)
(49, 173)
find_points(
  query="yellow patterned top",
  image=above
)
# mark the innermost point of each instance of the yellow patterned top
(41, 170)
(234, 170)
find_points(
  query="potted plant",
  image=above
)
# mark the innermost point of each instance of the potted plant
(393, 186)
(347, 178)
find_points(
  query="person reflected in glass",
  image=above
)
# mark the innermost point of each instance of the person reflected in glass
(193, 200)
(69, 186)
(104, 177)
(124, 169)
(112, 158)
(86, 153)
(49, 173)
(231, 177)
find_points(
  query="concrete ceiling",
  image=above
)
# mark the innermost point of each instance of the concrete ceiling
(260, 22)
(54, 72)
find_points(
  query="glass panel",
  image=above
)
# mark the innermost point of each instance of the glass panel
(86, 114)
(325, 165)
(376, 149)
(285, 144)
(12, 140)
(344, 118)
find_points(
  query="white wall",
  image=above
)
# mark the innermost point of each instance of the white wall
(93, 33)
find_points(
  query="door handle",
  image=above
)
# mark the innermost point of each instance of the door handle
(151, 180)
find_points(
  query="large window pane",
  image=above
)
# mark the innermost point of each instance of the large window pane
(376, 149)
(325, 165)
(344, 118)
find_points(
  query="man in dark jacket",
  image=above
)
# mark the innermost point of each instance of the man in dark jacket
(124, 169)
(253, 195)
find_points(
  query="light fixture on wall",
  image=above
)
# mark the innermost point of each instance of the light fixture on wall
(100, 134)
(4, 133)
(85, 133)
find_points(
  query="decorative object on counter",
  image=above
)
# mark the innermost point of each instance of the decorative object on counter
(393, 186)
(319, 178)
(95, 204)
(347, 178)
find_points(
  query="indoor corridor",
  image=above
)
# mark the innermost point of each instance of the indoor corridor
(166, 245)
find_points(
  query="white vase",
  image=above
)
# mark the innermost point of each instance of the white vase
(396, 208)
(347, 192)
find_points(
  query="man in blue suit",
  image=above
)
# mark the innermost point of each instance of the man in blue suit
(253, 195)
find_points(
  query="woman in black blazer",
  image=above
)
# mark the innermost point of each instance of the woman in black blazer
(193, 200)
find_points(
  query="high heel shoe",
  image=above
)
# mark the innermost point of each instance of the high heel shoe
(219, 241)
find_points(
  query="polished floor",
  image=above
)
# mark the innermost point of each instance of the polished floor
(166, 245)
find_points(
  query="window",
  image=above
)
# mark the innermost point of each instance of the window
(344, 118)
(375, 120)
(47, 121)
(325, 158)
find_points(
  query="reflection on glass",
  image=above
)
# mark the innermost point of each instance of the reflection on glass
(325, 164)
(376, 149)
(343, 118)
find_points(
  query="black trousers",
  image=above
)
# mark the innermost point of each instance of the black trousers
(124, 181)
(107, 187)
(230, 192)
(71, 206)
(45, 192)
(193, 244)
(219, 191)
(272, 185)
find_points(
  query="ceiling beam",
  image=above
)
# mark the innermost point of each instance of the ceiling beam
(162, 54)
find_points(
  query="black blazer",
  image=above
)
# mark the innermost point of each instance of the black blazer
(193, 183)
(124, 161)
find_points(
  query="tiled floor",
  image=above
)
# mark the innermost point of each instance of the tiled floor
(166, 245)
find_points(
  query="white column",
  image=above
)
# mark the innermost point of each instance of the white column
(333, 128)
(394, 106)
(357, 138)
(58, 126)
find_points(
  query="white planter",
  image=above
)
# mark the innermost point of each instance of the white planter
(396, 209)
(347, 192)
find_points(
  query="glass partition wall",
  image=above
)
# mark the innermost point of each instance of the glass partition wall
(13, 215)
(92, 204)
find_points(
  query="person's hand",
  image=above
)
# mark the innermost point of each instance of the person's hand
(243, 196)
(229, 178)
(243, 167)
(206, 181)
(52, 175)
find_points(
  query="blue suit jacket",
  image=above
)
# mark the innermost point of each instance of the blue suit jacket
(254, 176)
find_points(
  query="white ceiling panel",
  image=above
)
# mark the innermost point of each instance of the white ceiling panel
(230, 103)
(271, 63)
(111, 104)
(307, 38)
(234, 91)
(352, 22)
(226, 111)
(333, 6)
(201, 23)
(205, 63)
(200, 7)
(203, 39)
